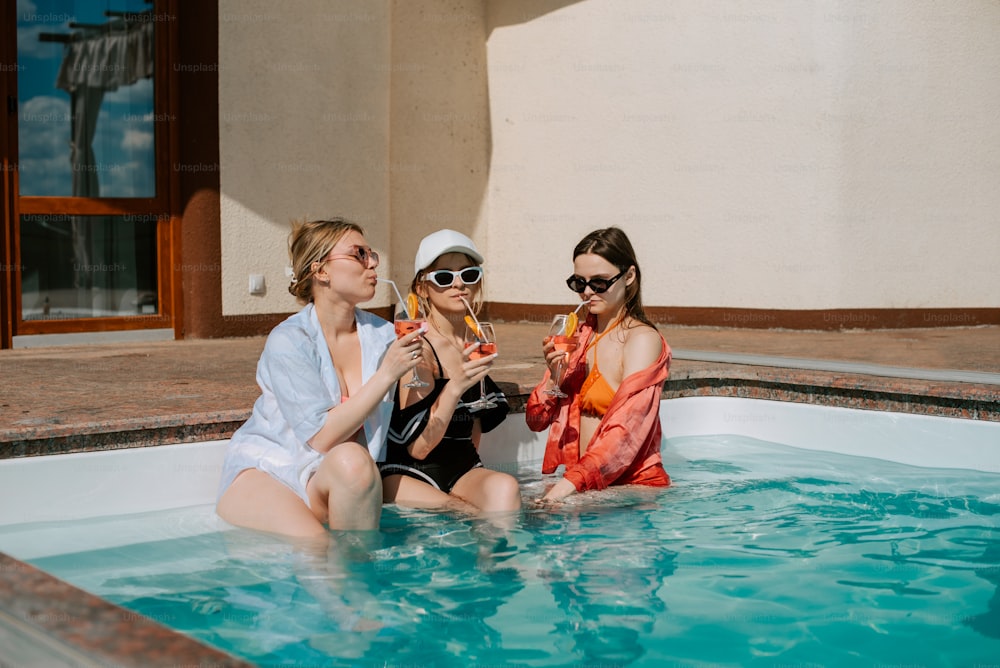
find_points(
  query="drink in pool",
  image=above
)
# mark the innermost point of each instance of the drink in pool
(482, 350)
(404, 327)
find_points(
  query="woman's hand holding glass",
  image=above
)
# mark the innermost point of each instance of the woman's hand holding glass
(411, 319)
(405, 353)
(474, 369)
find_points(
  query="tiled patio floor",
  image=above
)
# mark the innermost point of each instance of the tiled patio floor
(185, 390)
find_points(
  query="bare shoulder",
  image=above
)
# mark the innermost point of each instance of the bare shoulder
(642, 347)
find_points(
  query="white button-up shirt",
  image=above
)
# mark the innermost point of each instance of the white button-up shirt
(298, 387)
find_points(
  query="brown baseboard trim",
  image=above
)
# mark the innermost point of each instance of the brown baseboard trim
(384, 312)
(827, 319)
(261, 324)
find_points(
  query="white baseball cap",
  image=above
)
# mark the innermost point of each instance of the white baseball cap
(438, 243)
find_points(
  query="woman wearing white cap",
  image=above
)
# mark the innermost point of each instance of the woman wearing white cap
(432, 460)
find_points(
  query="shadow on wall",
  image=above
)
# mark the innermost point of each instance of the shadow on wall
(500, 13)
(379, 116)
(441, 131)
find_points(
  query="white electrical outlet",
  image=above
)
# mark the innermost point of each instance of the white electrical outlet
(257, 286)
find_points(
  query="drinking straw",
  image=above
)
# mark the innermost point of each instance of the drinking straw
(402, 303)
(479, 329)
(582, 304)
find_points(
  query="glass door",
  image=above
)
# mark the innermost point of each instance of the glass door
(91, 219)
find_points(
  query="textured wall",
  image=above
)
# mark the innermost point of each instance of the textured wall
(763, 155)
(303, 132)
(440, 126)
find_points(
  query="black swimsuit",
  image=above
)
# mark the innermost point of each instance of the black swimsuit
(456, 454)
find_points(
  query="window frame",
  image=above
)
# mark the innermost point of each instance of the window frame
(163, 207)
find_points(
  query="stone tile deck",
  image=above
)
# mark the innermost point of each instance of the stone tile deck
(72, 398)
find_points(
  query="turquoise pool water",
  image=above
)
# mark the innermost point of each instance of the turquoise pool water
(759, 555)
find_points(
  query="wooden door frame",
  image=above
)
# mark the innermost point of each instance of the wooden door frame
(8, 57)
(161, 210)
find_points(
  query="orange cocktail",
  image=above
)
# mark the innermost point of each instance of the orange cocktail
(565, 344)
(480, 341)
(482, 350)
(404, 327)
(408, 321)
(562, 334)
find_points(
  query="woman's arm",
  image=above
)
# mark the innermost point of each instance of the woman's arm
(542, 409)
(559, 491)
(444, 407)
(642, 349)
(343, 420)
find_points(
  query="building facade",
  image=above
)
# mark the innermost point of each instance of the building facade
(776, 165)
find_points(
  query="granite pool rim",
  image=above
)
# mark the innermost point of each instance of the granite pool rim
(975, 401)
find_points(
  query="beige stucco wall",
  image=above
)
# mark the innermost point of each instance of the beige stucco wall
(310, 95)
(760, 155)
(304, 132)
(440, 125)
(770, 154)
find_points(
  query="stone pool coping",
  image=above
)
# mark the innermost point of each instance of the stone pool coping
(96, 397)
(45, 619)
(977, 401)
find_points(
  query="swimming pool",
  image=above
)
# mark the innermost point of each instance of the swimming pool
(879, 545)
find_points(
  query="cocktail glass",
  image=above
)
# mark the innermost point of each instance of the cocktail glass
(404, 325)
(484, 339)
(564, 343)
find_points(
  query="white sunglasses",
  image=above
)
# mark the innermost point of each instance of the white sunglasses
(445, 278)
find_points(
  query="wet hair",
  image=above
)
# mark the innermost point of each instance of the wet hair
(310, 242)
(477, 300)
(613, 245)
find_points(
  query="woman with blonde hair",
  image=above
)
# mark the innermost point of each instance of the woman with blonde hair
(433, 458)
(307, 456)
(606, 429)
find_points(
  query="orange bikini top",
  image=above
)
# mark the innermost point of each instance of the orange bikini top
(595, 393)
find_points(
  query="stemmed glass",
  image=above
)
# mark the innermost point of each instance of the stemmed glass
(485, 342)
(563, 343)
(404, 325)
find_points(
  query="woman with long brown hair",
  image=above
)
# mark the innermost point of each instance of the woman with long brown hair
(606, 429)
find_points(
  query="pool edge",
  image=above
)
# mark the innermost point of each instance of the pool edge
(84, 627)
(847, 390)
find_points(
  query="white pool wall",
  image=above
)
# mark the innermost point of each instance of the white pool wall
(96, 484)
(907, 438)
(109, 482)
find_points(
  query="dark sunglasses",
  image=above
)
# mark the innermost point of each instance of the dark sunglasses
(598, 285)
(366, 256)
(444, 278)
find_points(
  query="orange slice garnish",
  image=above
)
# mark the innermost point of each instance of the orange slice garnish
(412, 306)
(571, 322)
(473, 326)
